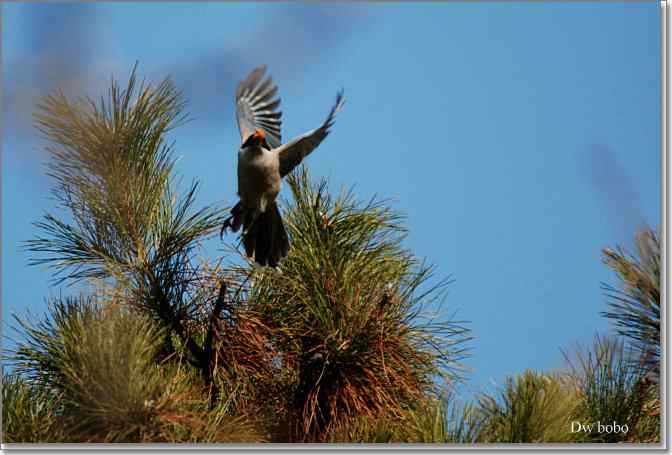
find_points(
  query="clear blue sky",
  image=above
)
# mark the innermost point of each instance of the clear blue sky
(519, 139)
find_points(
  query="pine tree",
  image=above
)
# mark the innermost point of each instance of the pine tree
(170, 347)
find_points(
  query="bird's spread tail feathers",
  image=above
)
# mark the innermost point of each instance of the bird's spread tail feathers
(263, 237)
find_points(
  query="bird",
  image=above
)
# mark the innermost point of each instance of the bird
(263, 161)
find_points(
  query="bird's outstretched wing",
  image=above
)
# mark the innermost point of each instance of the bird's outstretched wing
(256, 107)
(294, 151)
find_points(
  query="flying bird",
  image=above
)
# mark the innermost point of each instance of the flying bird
(263, 160)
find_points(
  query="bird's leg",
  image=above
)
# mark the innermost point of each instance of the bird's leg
(224, 226)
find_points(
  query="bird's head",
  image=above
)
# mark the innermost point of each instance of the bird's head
(256, 139)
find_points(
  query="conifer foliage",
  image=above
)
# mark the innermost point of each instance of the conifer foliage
(165, 344)
(346, 341)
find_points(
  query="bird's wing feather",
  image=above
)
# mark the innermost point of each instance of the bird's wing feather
(294, 151)
(256, 107)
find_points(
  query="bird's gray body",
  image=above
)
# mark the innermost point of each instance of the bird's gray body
(262, 163)
(259, 179)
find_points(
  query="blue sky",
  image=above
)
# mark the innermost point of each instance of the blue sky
(518, 138)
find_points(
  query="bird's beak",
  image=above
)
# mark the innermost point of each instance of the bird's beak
(259, 135)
